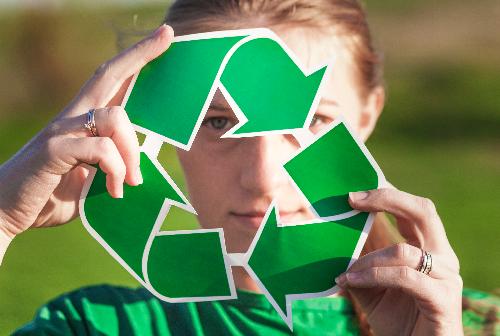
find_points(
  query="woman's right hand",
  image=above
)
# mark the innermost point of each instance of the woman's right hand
(41, 184)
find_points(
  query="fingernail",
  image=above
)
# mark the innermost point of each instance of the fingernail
(358, 196)
(340, 280)
(353, 277)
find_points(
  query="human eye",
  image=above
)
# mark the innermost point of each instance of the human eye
(217, 123)
(319, 121)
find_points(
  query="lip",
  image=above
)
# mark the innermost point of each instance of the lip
(250, 219)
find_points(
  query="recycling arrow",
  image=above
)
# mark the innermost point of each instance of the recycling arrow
(129, 229)
(270, 92)
(301, 260)
(266, 86)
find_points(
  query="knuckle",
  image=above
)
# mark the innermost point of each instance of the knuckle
(401, 250)
(383, 195)
(105, 145)
(56, 151)
(53, 129)
(459, 281)
(116, 114)
(406, 273)
(102, 70)
(119, 121)
(427, 205)
(373, 274)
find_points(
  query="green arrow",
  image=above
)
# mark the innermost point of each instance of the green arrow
(129, 228)
(291, 262)
(301, 260)
(270, 89)
(170, 101)
(266, 88)
(331, 167)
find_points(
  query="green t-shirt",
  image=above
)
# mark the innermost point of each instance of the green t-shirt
(111, 310)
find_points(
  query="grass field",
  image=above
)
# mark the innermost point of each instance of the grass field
(439, 136)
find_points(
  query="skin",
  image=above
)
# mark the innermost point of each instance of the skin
(232, 181)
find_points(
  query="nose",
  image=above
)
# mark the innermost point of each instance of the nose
(263, 159)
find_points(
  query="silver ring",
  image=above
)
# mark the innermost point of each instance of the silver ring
(90, 124)
(425, 263)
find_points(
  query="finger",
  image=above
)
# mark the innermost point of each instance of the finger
(404, 254)
(113, 122)
(396, 202)
(404, 278)
(97, 150)
(409, 210)
(110, 76)
(68, 190)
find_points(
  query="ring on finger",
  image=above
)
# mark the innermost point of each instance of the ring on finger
(90, 124)
(425, 263)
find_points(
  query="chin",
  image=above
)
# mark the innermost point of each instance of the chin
(239, 244)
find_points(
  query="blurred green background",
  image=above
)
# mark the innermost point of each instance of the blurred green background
(439, 136)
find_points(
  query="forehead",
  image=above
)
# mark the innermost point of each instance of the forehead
(313, 48)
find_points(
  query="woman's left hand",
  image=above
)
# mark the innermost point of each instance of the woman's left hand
(396, 298)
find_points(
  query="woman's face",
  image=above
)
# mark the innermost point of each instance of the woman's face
(231, 182)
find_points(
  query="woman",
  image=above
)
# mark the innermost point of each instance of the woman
(383, 292)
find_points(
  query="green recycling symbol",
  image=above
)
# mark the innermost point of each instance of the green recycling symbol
(269, 92)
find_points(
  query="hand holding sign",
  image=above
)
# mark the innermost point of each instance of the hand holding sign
(41, 184)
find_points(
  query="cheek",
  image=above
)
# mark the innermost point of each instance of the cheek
(210, 175)
(352, 117)
(209, 159)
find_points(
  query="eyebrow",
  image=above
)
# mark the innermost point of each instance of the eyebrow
(327, 101)
(220, 108)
